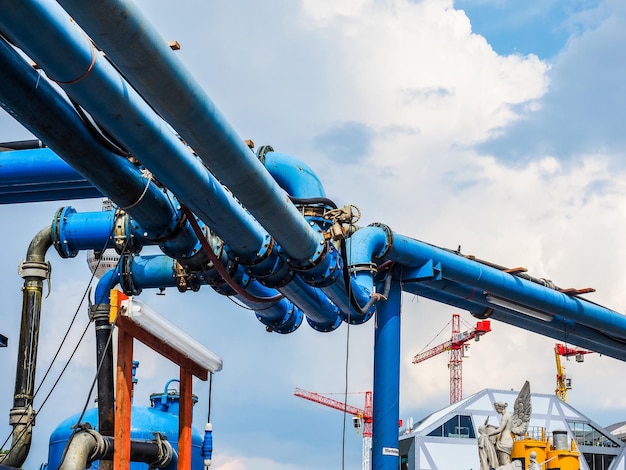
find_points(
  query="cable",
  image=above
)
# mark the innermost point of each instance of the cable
(219, 267)
(208, 418)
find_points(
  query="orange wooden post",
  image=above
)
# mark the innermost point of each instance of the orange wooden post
(184, 420)
(123, 400)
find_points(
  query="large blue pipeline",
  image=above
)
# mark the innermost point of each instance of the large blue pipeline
(136, 127)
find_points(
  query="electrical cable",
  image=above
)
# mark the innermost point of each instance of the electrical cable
(313, 200)
(219, 267)
(208, 418)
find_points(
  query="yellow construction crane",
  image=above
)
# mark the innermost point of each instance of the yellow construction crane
(563, 381)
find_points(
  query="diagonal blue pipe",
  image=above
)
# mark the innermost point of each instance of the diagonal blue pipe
(560, 328)
(101, 75)
(42, 110)
(73, 62)
(499, 283)
(166, 84)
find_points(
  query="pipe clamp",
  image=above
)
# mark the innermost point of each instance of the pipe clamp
(40, 270)
(24, 416)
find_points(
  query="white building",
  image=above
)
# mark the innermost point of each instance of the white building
(447, 439)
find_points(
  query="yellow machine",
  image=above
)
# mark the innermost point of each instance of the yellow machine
(555, 453)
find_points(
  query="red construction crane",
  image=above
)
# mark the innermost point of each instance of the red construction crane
(361, 416)
(458, 349)
(563, 381)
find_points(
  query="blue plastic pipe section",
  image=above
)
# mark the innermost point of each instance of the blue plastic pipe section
(75, 64)
(385, 446)
(38, 175)
(166, 84)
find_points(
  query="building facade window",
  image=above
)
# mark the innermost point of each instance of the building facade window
(460, 426)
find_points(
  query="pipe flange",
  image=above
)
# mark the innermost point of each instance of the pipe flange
(58, 233)
(482, 315)
(261, 255)
(22, 416)
(262, 151)
(314, 261)
(36, 269)
(180, 276)
(166, 451)
(389, 244)
(171, 234)
(363, 267)
(127, 282)
(99, 311)
(123, 237)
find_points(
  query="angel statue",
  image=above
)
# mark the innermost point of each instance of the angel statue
(496, 443)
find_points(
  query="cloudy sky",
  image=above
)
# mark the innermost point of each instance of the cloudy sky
(488, 124)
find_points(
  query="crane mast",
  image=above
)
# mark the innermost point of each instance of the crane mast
(457, 346)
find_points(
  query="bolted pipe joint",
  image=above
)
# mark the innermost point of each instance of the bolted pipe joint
(22, 419)
(327, 327)
(34, 269)
(288, 324)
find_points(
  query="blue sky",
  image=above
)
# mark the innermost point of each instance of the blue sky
(490, 125)
(540, 28)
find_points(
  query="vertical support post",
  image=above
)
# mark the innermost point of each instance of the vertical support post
(123, 402)
(184, 420)
(385, 446)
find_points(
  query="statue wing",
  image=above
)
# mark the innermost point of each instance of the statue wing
(521, 411)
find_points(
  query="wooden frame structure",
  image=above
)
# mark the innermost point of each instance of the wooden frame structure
(128, 331)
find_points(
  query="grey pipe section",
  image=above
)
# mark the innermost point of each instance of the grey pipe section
(165, 83)
(87, 446)
(34, 270)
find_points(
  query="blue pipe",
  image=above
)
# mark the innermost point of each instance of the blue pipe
(501, 284)
(240, 247)
(321, 313)
(386, 393)
(37, 175)
(73, 62)
(158, 271)
(293, 175)
(561, 329)
(108, 281)
(367, 243)
(40, 108)
(166, 84)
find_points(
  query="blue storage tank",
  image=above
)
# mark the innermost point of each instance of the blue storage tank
(161, 416)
